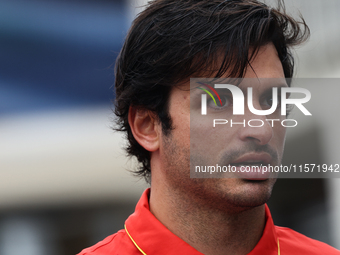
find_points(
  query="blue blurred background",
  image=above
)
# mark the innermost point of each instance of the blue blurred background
(64, 179)
(58, 54)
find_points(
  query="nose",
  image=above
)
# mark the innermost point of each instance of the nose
(256, 129)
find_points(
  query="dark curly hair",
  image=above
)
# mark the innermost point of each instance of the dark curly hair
(172, 40)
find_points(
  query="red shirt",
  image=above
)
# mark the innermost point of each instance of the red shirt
(144, 234)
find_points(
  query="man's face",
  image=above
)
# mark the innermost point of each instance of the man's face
(236, 145)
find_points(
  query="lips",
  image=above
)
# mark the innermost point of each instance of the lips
(252, 159)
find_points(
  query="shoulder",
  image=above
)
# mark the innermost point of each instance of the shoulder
(292, 242)
(116, 244)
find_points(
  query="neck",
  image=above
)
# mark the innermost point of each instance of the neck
(207, 229)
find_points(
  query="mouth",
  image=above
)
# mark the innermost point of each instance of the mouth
(249, 163)
(252, 159)
(249, 166)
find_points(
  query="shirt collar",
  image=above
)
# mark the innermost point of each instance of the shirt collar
(268, 243)
(153, 238)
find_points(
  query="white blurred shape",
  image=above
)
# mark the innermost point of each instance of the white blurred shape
(135, 7)
(63, 157)
(24, 235)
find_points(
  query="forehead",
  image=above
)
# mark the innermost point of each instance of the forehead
(266, 64)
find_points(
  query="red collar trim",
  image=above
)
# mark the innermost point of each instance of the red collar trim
(153, 238)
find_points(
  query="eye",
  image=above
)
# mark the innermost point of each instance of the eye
(268, 100)
(267, 103)
(226, 101)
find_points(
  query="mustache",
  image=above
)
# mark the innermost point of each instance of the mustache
(232, 155)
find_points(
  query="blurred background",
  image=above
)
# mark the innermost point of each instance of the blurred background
(64, 179)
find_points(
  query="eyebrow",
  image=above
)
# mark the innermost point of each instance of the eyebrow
(210, 84)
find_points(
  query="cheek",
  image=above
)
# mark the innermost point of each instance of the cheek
(180, 115)
(280, 136)
(184, 132)
(181, 126)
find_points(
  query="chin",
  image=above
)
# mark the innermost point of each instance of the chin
(235, 195)
(252, 193)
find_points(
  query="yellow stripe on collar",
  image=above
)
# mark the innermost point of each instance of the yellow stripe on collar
(134, 241)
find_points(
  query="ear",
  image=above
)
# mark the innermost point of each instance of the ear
(144, 127)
